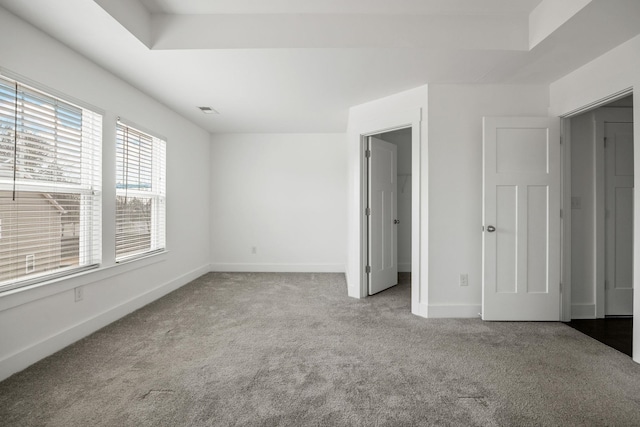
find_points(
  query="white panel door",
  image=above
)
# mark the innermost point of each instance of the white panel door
(618, 154)
(521, 218)
(383, 200)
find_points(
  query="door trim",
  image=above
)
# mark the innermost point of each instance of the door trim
(565, 294)
(411, 120)
(565, 221)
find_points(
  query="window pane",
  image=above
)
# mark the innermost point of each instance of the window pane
(140, 190)
(50, 185)
(7, 130)
(134, 153)
(133, 225)
(49, 139)
(39, 233)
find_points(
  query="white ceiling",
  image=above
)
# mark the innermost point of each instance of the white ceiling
(298, 65)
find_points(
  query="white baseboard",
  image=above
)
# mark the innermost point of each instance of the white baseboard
(404, 267)
(454, 311)
(22, 359)
(278, 268)
(583, 311)
(420, 309)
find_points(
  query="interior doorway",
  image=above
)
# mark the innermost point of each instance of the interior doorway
(600, 248)
(388, 210)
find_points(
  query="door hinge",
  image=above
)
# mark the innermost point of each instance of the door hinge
(367, 154)
(367, 269)
(560, 213)
(560, 287)
(605, 142)
(606, 284)
(367, 211)
(561, 140)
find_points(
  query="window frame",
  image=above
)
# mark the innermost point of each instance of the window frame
(155, 192)
(88, 183)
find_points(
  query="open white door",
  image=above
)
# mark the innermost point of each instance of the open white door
(521, 219)
(383, 236)
(619, 173)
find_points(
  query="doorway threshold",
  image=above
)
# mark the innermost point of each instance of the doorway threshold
(616, 332)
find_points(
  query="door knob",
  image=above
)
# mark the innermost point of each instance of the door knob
(491, 229)
(396, 221)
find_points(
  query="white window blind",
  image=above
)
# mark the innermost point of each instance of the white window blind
(140, 193)
(50, 186)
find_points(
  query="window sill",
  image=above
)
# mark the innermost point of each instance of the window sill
(26, 294)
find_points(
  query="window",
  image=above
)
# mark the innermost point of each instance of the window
(50, 185)
(140, 193)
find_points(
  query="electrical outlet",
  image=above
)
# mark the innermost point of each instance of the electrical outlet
(464, 279)
(254, 250)
(79, 293)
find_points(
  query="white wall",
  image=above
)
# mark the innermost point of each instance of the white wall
(455, 189)
(613, 72)
(405, 109)
(38, 321)
(402, 140)
(285, 195)
(450, 185)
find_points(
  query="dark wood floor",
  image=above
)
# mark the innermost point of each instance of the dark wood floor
(615, 332)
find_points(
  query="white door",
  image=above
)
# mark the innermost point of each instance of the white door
(618, 154)
(383, 236)
(521, 218)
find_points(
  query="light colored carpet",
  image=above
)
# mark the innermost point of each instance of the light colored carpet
(268, 349)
